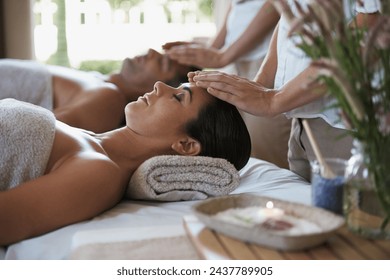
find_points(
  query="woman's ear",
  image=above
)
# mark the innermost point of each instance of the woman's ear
(187, 146)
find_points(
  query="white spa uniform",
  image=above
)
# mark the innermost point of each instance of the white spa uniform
(291, 62)
(239, 18)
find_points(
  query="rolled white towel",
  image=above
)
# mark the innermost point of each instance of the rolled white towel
(175, 178)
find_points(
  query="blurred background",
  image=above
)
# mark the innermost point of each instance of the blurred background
(99, 34)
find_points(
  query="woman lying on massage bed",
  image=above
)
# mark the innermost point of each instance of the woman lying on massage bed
(88, 100)
(83, 174)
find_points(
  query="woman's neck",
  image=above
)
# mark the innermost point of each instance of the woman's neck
(128, 149)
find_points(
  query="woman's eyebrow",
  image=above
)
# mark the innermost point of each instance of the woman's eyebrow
(189, 91)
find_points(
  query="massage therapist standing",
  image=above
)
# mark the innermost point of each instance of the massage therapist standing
(284, 84)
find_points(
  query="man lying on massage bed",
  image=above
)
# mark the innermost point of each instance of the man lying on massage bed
(81, 99)
(52, 174)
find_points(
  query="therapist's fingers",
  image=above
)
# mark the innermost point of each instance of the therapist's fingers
(181, 51)
(244, 101)
(191, 75)
(224, 95)
(216, 76)
(169, 45)
(208, 72)
(245, 94)
(221, 81)
(185, 55)
(184, 58)
(225, 91)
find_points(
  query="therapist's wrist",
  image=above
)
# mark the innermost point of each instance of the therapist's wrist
(273, 99)
(226, 57)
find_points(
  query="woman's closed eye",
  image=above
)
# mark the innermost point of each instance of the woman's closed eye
(185, 95)
(179, 96)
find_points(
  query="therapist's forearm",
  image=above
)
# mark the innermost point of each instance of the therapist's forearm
(261, 26)
(301, 90)
(219, 39)
(266, 74)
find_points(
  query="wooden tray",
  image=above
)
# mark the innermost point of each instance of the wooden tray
(325, 221)
(342, 245)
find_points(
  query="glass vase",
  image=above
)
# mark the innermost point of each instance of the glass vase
(365, 213)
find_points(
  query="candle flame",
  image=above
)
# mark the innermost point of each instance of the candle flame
(269, 205)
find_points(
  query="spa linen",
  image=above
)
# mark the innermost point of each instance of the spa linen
(25, 80)
(26, 139)
(176, 178)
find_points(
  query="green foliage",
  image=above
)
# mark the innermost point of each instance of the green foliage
(101, 66)
(115, 4)
(60, 57)
(206, 7)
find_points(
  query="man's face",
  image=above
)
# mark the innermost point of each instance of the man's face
(141, 72)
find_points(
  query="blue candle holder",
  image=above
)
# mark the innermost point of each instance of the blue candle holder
(327, 193)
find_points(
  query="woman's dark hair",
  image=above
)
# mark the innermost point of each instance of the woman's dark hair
(222, 133)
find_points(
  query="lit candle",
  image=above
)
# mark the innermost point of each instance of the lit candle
(270, 211)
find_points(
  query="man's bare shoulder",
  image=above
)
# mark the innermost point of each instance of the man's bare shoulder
(77, 76)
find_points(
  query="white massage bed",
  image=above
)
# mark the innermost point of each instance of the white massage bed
(152, 225)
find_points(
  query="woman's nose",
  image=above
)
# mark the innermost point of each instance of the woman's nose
(160, 88)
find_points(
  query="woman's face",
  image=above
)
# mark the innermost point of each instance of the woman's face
(165, 111)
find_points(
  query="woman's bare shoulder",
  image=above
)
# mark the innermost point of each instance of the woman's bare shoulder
(81, 188)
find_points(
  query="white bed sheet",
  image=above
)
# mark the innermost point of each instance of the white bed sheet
(129, 220)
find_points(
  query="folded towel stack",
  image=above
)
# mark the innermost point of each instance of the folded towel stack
(175, 178)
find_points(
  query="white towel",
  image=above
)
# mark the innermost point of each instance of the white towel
(26, 139)
(175, 178)
(25, 80)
